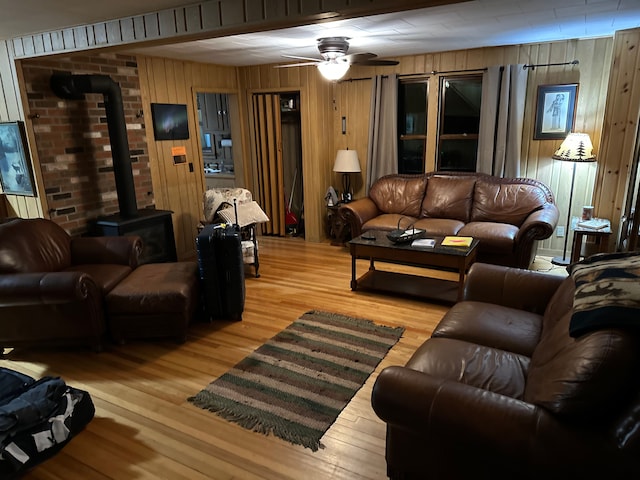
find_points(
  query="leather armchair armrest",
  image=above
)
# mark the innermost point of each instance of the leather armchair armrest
(357, 213)
(123, 250)
(539, 225)
(458, 418)
(511, 287)
(424, 404)
(18, 289)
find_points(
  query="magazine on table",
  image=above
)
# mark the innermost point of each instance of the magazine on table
(594, 223)
(457, 241)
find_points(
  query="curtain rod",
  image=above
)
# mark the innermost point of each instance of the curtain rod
(436, 72)
(533, 67)
(432, 72)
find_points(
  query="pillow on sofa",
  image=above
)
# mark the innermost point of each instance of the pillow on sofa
(399, 194)
(607, 292)
(448, 197)
(505, 202)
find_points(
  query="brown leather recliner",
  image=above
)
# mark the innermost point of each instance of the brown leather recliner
(502, 391)
(52, 285)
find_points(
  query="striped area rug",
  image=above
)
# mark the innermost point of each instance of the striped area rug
(295, 385)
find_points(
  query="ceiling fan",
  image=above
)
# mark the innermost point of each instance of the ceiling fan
(335, 62)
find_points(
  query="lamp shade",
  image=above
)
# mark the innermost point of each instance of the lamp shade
(346, 162)
(576, 147)
(333, 69)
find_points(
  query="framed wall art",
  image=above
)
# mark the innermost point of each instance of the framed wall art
(170, 121)
(555, 111)
(16, 175)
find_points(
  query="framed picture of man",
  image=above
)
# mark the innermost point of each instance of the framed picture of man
(16, 176)
(555, 111)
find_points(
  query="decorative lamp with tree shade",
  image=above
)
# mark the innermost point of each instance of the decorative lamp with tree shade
(575, 148)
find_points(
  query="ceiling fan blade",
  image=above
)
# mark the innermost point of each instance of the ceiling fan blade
(378, 63)
(304, 64)
(359, 57)
(295, 57)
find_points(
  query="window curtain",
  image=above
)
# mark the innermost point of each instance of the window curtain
(504, 90)
(382, 154)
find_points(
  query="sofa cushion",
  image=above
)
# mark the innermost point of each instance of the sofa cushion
(483, 367)
(491, 325)
(505, 202)
(389, 221)
(573, 377)
(448, 197)
(494, 237)
(399, 194)
(34, 245)
(439, 226)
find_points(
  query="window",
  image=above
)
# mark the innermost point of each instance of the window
(459, 123)
(412, 124)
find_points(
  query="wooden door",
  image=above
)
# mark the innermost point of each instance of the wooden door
(268, 161)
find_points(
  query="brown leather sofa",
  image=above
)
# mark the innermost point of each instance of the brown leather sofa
(502, 391)
(52, 285)
(508, 215)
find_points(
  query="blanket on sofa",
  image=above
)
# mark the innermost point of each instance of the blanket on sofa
(607, 293)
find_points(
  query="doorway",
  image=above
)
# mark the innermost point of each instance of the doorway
(630, 221)
(218, 125)
(278, 175)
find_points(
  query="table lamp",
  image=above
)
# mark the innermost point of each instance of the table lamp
(346, 162)
(575, 148)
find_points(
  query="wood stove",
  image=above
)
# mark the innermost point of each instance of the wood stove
(154, 226)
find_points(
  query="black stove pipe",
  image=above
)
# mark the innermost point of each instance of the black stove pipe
(74, 87)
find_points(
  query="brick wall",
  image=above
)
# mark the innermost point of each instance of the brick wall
(72, 139)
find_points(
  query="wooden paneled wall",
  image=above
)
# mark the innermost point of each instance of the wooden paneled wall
(621, 122)
(592, 74)
(180, 187)
(323, 104)
(11, 110)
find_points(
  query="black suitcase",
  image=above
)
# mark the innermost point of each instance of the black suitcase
(37, 419)
(221, 271)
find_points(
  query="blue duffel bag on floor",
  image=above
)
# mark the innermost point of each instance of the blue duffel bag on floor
(37, 419)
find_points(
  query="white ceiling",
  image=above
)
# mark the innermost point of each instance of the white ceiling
(460, 26)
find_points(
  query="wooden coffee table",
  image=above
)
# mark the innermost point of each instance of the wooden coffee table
(452, 259)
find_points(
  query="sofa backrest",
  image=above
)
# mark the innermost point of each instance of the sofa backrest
(399, 194)
(449, 197)
(507, 200)
(33, 245)
(586, 378)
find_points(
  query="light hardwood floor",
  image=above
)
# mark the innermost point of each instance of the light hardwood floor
(144, 427)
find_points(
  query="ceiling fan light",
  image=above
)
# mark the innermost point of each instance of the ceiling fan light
(333, 70)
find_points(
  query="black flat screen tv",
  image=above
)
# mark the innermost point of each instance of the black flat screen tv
(170, 121)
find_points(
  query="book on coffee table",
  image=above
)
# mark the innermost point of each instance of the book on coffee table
(457, 241)
(424, 242)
